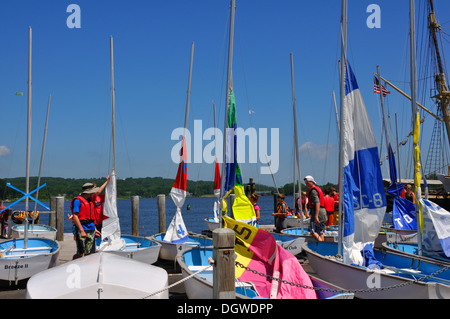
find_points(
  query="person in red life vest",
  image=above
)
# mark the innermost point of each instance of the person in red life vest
(335, 196)
(82, 209)
(304, 201)
(99, 199)
(281, 214)
(317, 209)
(329, 207)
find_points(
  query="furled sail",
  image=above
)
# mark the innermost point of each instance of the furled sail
(258, 250)
(242, 207)
(111, 227)
(364, 195)
(177, 232)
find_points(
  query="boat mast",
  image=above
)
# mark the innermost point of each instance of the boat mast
(188, 95)
(343, 72)
(414, 109)
(227, 99)
(386, 132)
(444, 95)
(113, 102)
(296, 154)
(27, 174)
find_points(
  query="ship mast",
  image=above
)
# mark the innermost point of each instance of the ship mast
(443, 95)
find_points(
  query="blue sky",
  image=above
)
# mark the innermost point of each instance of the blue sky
(152, 42)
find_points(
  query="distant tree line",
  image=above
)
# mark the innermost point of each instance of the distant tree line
(146, 187)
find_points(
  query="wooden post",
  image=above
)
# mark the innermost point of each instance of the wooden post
(162, 212)
(134, 215)
(223, 270)
(60, 218)
(9, 222)
(52, 216)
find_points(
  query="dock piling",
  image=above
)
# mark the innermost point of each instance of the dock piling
(224, 258)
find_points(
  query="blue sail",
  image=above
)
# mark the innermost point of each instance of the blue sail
(403, 211)
(364, 195)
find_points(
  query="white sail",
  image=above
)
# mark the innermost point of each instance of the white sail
(111, 227)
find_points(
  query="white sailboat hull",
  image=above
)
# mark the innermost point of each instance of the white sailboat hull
(363, 281)
(293, 221)
(169, 251)
(292, 244)
(138, 248)
(211, 223)
(99, 276)
(34, 231)
(19, 264)
(329, 236)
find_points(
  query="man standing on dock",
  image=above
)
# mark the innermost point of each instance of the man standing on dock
(83, 211)
(317, 207)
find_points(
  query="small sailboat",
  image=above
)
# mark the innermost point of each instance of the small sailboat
(436, 238)
(34, 231)
(177, 238)
(23, 257)
(329, 235)
(292, 244)
(135, 247)
(104, 275)
(254, 249)
(100, 276)
(295, 222)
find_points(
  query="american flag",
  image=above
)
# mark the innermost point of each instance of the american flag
(376, 87)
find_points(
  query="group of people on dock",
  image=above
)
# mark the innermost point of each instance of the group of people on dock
(321, 208)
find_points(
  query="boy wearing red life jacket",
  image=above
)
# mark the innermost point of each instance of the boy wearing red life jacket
(83, 214)
(317, 209)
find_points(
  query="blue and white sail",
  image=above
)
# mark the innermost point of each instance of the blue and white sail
(364, 196)
(403, 210)
(436, 229)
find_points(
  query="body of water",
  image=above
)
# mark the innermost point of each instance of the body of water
(200, 208)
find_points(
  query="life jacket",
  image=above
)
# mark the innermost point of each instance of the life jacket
(98, 201)
(86, 212)
(280, 209)
(329, 204)
(321, 197)
(304, 204)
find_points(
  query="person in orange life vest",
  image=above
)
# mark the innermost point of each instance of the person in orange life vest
(281, 214)
(99, 199)
(82, 209)
(303, 203)
(317, 209)
(254, 199)
(329, 207)
(335, 196)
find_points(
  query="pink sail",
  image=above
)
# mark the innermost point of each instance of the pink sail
(258, 250)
